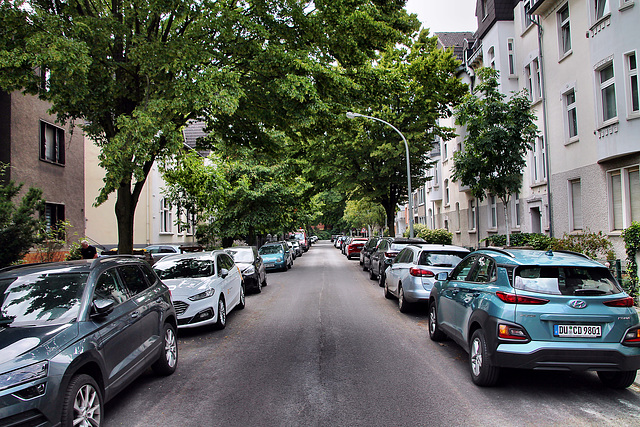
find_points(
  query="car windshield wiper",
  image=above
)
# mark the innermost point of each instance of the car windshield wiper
(442, 265)
(6, 320)
(589, 292)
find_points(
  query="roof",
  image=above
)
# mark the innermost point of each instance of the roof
(536, 257)
(436, 247)
(455, 41)
(194, 131)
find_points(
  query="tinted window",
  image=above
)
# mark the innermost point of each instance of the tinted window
(484, 271)
(146, 270)
(578, 281)
(108, 287)
(133, 278)
(184, 268)
(441, 258)
(463, 269)
(406, 255)
(41, 298)
(271, 249)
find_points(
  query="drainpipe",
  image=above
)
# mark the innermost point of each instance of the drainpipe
(545, 130)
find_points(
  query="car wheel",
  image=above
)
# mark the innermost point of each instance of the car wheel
(617, 379)
(82, 405)
(372, 276)
(387, 294)
(285, 267)
(242, 301)
(222, 314)
(264, 281)
(382, 279)
(168, 360)
(434, 332)
(403, 305)
(364, 267)
(361, 261)
(483, 373)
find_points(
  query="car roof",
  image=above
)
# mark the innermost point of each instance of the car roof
(193, 255)
(436, 247)
(517, 257)
(82, 265)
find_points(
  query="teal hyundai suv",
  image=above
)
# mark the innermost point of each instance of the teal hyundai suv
(541, 310)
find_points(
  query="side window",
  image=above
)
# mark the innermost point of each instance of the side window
(151, 277)
(403, 256)
(484, 272)
(222, 261)
(108, 287)
(133, 279)
(462, 270)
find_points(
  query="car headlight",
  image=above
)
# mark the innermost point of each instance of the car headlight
(249, 270)
(24, 375)
(279, 259)
(202, 295)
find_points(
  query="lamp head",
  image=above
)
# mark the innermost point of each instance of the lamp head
(351, 115)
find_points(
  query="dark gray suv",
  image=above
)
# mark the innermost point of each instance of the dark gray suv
(74, 334)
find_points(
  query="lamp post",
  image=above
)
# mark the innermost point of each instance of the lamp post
(352, 115)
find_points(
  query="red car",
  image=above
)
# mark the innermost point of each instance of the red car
(355, 246)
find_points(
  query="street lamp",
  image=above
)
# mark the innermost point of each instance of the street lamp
(351, 115)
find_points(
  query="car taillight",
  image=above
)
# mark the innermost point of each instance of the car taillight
(390, 254)
(622, 302)
(520, 299)
(421, 272)
(632, 337)
(511, 332)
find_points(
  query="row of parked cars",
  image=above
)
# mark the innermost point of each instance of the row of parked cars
(73, 334)
(514, 308)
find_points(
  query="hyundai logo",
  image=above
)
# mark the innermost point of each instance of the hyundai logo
(577, 303)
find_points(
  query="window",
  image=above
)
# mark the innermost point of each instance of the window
(493, 212)
(457, 216)
(564, 30)
(484, 272)
(607, 92)
(444, 150)
(51, 143)
(527, 14)
(538, 79)
(133, 278)
(624, 197)
(463, 269)
(512, 57)
(472, 214)
(516, 210)
(529, 81)
(601, 8)
(492, 58)
(631, 69)
(421, 195)
(484, 10)
(53, 215)
(538, 161)
(165, 216)
(108, 287)
(575, 204)
(446, 191)
(571, 114)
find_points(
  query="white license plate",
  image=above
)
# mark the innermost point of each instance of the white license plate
(577, 331)
(269, 264)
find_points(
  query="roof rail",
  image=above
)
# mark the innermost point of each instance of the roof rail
(573, 253)
(500, 250)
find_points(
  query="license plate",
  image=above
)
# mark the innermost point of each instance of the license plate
(269, 264)
(577, 331)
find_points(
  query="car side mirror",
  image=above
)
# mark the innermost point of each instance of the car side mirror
(102, 307)
(443, 276)
(224, 272)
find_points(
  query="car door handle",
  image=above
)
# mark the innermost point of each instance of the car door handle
(135, 314)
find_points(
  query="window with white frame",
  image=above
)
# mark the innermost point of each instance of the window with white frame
(538, 161)
(607, 99)
(529, 81)
(457, 216)
(492, 57)
(446, 192)
(575, 204)
(631, 70)
(571, 114)
(421, 196)
(527, 14)
(493, 211)
(624, 197)
(564, 30)
(512, 57)
(444, 150)
(484, 10)
(51, 143)
(165, 216)
(435, 176)
(601, 8)
(515, 212)
(472, 214)
(538, 79)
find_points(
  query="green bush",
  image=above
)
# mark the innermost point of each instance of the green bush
(594, 245)
(439, 236)
(533, 240)
(631, 238)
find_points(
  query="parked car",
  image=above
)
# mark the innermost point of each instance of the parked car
(161, 251)
(354, 247)
(291, 249)
(411, 275)
(367, 249)
(250, 263)
(301, 236)
(385, 252)
(537, 310)
(205, 287)
(338, 242)
(276, 257)
(76, 333)
(297, 249)
(343, 245)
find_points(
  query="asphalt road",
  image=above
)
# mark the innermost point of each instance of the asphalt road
(321, 346)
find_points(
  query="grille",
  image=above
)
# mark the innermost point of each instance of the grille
(180, 307)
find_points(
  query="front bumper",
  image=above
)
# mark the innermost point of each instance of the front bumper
(558, 356)
(251, 281)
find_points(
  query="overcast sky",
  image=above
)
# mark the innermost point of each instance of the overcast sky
(445, 15)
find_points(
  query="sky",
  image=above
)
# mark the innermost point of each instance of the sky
(445, 15)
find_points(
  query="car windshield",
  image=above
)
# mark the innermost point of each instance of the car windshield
(299, 236)
(397, 247)
(41, 298)
(441, 258)
(184, 268)
(573, 281)
(267, 250)
(241, 255)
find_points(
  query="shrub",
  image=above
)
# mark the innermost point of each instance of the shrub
(631, 238)
(534, 240)
(438, 236)
(593, 245)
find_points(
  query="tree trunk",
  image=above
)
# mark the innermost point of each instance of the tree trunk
(125, 210)
(505, 204)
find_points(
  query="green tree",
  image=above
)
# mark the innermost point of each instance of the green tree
(410, 86)
(499, 134)
(136, 71)
(19, 224)
(364, 213)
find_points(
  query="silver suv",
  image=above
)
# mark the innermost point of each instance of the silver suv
(74, 334)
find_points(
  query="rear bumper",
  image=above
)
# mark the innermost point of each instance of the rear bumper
(557, 356)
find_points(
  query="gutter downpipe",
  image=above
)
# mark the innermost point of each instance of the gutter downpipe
(545, 130)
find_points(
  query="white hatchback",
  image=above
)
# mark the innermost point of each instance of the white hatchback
(205, 287)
